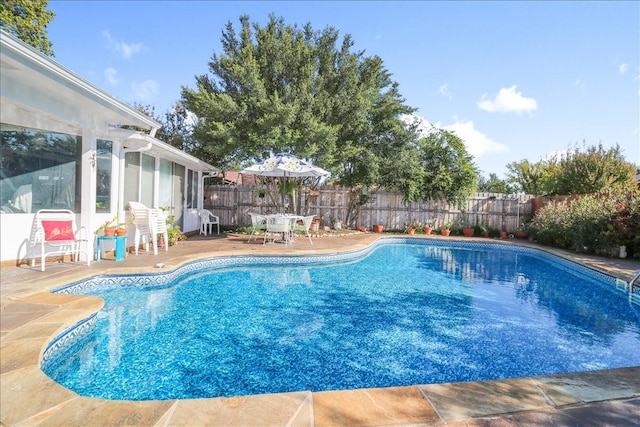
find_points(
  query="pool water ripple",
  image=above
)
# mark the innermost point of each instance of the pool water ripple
(404, 314)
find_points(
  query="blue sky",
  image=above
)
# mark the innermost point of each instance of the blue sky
(515, 80)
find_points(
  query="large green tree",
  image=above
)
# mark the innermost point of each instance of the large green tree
(264, 95)
(176, 127)
(493, 184)
(449, 171)
(529, 178)
(28, 21)
(281, 88)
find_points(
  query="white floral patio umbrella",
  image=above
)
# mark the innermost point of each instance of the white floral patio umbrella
(285, 165)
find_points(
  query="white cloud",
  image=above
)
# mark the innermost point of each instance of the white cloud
(144, 92)
(445, 92)
(508, 100)
(477, 143)
(623, 68)
(126, 50)
(110, 75)
(425, 127)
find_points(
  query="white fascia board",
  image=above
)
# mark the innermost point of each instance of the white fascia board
(173, 153)
(34, 58)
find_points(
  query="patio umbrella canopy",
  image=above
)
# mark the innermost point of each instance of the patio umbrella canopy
(285, 165)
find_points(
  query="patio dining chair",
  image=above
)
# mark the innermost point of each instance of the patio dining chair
(258, 224)
(305, 226)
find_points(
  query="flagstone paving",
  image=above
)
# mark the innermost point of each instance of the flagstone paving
(31, 316)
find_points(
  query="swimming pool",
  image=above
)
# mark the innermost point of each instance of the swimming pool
(402, 312)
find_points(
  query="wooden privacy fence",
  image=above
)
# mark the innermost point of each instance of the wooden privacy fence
(498, 211)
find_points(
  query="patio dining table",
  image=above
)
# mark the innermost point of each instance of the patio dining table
(282, 224)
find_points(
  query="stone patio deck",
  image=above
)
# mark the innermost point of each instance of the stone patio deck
(31, 316)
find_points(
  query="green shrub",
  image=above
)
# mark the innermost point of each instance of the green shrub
(551, 225)
(175, 235)
(244, 230)
(595, 223)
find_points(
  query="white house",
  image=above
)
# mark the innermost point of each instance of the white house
(65, 143)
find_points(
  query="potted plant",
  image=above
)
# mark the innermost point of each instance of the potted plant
(412, 227)
(521, 232)
(108, 228)
(445, 229)
(174, 233)
(468, 232)
(260, 192)
(377, 228)
(484, 229)
(463, 224)
(122, 227)
(428, 228)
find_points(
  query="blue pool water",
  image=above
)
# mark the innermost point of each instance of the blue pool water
(404, 314)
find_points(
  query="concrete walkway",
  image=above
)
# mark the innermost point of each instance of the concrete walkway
(31, 316)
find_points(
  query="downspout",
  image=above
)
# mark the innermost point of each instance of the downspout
(121, 156)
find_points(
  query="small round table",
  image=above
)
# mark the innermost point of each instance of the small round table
(120, 249)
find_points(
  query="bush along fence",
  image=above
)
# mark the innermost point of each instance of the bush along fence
(330, 204)
(606, 223)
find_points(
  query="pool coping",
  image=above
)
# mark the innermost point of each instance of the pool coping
(29, 397)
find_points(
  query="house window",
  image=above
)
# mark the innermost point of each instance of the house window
(131, 177)
(103, 171)
(39, 170)
(192, 189)
(165, 190)
(147, 179)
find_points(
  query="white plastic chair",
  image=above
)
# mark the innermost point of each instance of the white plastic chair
(141, 223)
(158, 223)
(305, 226)
(148, 224)
(258, 224)
(207, 221)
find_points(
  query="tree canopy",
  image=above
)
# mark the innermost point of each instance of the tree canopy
(577, 171)
(28, 21)
(493, 184)
(281, 88)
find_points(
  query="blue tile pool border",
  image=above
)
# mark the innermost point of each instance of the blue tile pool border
(68, 338)
(165, 278)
